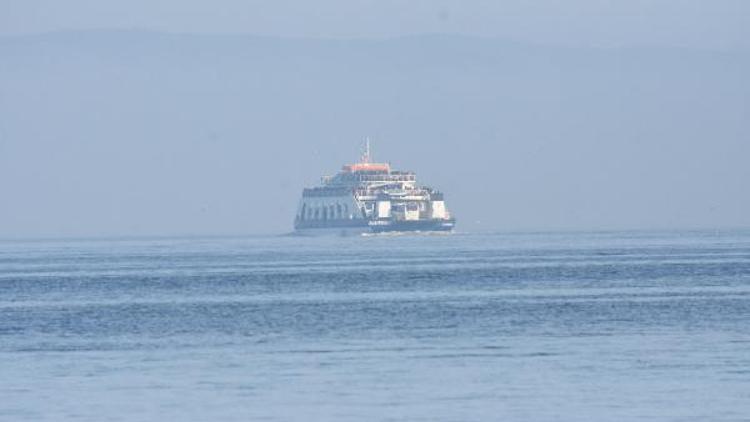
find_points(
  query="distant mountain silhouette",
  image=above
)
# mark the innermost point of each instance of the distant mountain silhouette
(147, 132)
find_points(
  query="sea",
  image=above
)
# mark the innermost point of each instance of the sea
(564, 326)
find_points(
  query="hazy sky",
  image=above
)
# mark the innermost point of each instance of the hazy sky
(697, 23)
(187, 123)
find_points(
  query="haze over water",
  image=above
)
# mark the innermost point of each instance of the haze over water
(149, 120)
(545, 326)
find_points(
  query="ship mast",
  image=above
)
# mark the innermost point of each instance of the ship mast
(366, 157)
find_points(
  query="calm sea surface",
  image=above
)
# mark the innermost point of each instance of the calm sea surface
(527, 327)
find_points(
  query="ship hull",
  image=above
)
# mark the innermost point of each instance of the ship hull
(413, 226)
(352, 227)
(358, 227)
(332, 231)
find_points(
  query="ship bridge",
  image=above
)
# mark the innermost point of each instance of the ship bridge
(367, 173)
(370, 177)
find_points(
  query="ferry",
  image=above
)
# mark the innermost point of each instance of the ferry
(369, 197)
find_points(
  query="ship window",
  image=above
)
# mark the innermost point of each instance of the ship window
(302, 212)
(325, 213)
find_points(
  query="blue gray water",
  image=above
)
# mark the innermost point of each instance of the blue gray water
(541, 327)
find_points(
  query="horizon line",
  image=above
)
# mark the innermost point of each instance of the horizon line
(197, 236)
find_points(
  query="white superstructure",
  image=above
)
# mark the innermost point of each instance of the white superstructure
(372, 196)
